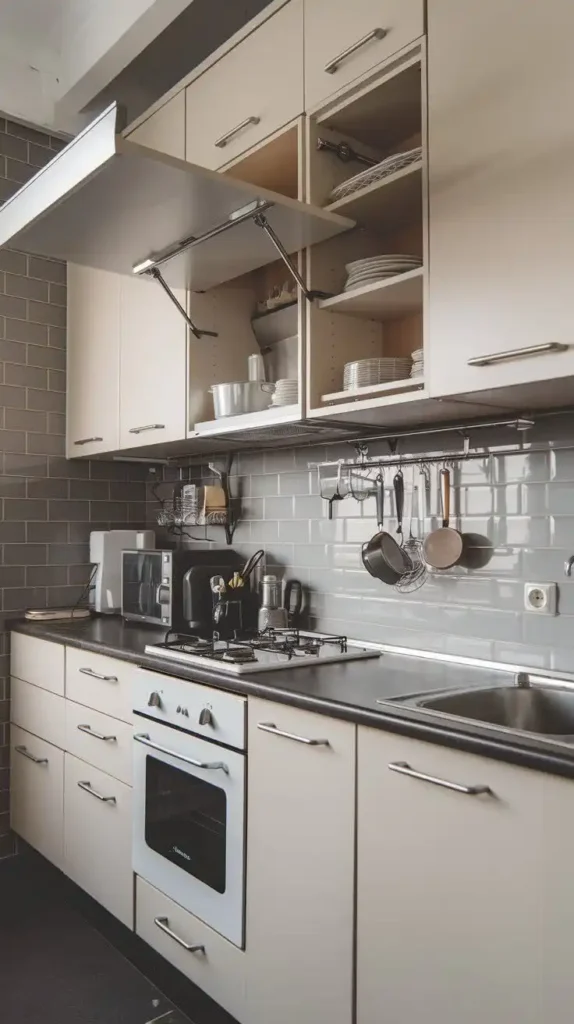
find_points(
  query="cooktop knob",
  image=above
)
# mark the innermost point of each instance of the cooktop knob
(205, 717)
(154, 700)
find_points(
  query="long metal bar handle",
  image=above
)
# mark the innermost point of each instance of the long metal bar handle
(142, 737)
(97, 735)
(31, 757)
(163, 924)
(87, 787)
(97, 675)
(376, 33)
(148, 426)
(403, 768)
(88, 440)
(270, 727)
(222, 142)
(518, 353)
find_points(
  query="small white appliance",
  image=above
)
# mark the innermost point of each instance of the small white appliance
(189, 798)
(106, 548)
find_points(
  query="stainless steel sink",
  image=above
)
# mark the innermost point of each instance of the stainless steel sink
(546, 711)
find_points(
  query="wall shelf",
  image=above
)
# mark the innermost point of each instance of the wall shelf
(384, 300)
(393, 200)
(276, 324)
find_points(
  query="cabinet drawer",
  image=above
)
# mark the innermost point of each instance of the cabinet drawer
(38, 711)
(97, 836)
(219, 970)
(37, 793)
(99, 740)
(342, 42)
(250, 93)
(99, 682)
(38, 661)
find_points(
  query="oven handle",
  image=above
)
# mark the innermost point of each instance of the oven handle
(163, 924)
(143, 737)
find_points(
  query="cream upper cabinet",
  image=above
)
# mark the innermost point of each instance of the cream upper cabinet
(501, 164)
(300, 860)
(345, 40)
(464, 906)
(165, 129)
(92, 414)
(252, 91)
(153, 365)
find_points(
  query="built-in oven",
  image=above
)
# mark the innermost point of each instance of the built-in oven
(189, 798)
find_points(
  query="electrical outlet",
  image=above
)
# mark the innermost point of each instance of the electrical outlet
(541, 598)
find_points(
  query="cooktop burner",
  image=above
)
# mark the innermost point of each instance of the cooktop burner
(262, 651)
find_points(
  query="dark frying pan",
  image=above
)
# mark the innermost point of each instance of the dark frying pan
(381, 555)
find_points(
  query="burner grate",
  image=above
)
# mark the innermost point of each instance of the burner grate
(243, 648)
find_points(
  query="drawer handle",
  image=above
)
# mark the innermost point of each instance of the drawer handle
(270, 727)
(26, 753)
(148, 426)
(88, 788)
(97, 735)
(89, 440)
(222, 142)
(377, 33)
(518, 353)
(98, 675)
(403, 768)
(163, 924)
(143, 738)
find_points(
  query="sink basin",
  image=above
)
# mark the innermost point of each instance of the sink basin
(527, 709)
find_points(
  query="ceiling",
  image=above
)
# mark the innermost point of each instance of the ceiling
(35, 24)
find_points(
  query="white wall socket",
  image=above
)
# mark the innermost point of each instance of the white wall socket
(541, 598)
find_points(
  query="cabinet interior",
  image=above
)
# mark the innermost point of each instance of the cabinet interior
(381, 318)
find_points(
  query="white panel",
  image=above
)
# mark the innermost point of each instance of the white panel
(100, 740)
(38, 711)
(37, 793)
(38, 661)
(98, 682)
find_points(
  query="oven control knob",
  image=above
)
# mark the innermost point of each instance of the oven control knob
(205, 717)
(154, 700)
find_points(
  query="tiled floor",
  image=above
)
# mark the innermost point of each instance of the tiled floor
(63, 960)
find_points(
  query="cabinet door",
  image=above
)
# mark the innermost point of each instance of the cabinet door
(153, 365)
(300, 862)
(92, 423)
(456, 906)
(38, 661)
(37, 793)
(38, 711)
(100, 740)
(164, 130)
(97, 836)
(99, 682)
(501, 165)
(342, 42)
(250, 93)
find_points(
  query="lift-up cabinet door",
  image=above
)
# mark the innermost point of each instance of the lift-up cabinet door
(501, 163)
(107, 202)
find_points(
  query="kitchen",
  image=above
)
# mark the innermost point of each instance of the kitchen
(416, 730)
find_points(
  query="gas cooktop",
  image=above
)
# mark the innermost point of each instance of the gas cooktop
(265, 651)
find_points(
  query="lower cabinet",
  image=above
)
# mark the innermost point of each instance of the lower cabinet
(36, 793)
(98, 836)
(464, 907)
(300, 866)
(209, 960)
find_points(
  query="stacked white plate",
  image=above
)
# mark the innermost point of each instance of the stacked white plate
(286, 392)
(379, 268)
(390, 165)
(418, 363)
(364, 373)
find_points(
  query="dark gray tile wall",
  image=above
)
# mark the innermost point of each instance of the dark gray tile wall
(47, 505)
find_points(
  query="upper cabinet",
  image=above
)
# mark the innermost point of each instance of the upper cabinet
(92, 414)
(345, 40)
(165, 129)
(501, 165)
(250, 93)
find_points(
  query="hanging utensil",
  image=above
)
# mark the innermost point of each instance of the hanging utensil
(399, 488)
(414, 579)
(443, 547)
(381, 555)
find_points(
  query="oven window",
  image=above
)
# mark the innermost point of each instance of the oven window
(185, 821)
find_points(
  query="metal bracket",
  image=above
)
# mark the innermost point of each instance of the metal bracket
(156, 273)
(261, 221)
(344, 152)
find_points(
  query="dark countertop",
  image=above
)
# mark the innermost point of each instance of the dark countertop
(349, 690)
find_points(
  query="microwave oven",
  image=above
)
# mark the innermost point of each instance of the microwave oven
(172, 588)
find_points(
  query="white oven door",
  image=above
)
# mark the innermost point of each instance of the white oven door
(189, 824)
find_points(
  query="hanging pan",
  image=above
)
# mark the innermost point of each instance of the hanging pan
(443, 547)
(382, 556)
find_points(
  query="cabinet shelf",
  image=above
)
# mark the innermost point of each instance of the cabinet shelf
(276, 324)
(407, 384)
(274, 416)
(393, 200)
(383, 300)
